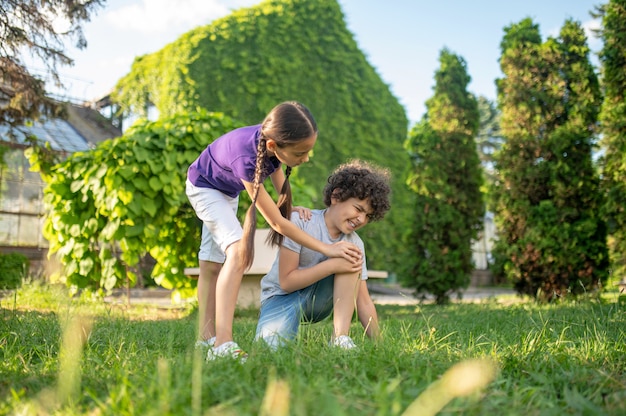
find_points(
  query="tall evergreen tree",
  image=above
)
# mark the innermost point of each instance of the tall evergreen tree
(446, 177)
(613, 62)
(547, 193)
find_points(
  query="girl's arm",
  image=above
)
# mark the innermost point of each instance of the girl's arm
(366, 311)
(278, 179)
(292, 278)
(268, 208)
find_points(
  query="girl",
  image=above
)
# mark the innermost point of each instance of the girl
(241, 160)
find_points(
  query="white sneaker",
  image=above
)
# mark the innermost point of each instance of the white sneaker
(344, 342)
(228, 349)
(205, 343)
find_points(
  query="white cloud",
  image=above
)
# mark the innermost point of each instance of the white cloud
(150, 17)
(593, 40)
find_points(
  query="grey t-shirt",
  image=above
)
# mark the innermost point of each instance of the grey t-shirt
(315, 227)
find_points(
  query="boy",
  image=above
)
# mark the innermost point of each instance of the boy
(304, 285)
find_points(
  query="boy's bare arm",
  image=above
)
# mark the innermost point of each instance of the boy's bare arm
(291, 278)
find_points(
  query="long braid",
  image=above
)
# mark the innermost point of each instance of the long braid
(246, 250)
(284, 205)
(287, 124)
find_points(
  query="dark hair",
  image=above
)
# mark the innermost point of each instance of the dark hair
(287, 124)
(361, 180)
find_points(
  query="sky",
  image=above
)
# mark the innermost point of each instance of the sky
(402, 39)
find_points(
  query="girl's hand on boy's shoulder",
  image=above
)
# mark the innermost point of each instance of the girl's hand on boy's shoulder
(305, 213)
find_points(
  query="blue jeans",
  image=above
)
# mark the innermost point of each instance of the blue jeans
(281, 315)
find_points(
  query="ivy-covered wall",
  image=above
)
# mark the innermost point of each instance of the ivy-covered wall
(245, 63)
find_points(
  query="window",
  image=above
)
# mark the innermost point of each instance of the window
(21, 191)
(21, 205)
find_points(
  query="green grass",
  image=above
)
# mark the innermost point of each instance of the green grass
(561, 359)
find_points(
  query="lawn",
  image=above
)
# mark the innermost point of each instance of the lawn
(83, 356)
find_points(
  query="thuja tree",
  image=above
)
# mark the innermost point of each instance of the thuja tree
(245, 63)
(547, 195)
(446, 177)
(109, 207)
(612, 117)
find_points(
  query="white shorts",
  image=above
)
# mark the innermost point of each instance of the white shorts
(218, 213)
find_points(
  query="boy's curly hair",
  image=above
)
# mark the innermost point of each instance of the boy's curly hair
(362, 180)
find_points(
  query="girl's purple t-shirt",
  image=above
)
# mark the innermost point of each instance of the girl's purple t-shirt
(230, 159)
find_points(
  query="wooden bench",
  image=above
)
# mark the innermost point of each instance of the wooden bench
(194, 272)
(264, 255)
(377, 274)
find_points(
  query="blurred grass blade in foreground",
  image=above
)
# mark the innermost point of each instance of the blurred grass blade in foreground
(276, 399)
(462, 379)
(75, 335)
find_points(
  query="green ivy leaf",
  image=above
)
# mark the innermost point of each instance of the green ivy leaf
(141, 154)
(86, 265)
(156, 183)
(150, 206)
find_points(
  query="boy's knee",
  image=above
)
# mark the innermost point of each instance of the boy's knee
(274, 332)
(274, 336)
(272, 340)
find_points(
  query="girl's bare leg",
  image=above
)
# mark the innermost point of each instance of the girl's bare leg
(207, 281)
(227, 290)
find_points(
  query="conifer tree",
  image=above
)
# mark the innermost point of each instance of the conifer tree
(547, 192)
(613, 62)
(446, 177)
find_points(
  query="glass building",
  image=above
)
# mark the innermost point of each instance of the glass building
(21, 190)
